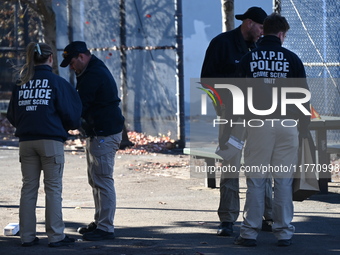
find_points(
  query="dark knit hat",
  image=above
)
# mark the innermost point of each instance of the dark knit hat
(256, 14)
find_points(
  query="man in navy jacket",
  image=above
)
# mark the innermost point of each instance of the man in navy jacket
(221, 60)
(103, 124)
(272, 144)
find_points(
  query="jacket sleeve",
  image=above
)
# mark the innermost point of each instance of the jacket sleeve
(88, 91)
(214, 63)
(68, 105)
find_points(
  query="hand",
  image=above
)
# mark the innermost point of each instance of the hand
(303, 133)
(222, 143)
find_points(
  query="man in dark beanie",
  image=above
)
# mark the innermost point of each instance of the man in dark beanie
(221, 59)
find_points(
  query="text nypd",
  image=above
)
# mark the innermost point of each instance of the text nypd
(269, 64)
(34, 93)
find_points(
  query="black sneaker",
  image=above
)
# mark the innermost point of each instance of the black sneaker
(89, 228)
(267, 225)
(98, 235)
(66, 241)
(28, 244)
(245, 242)
(225, 229)
(284, 242)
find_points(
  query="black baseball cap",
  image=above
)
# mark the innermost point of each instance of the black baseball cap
(72, 50)
(256, 14)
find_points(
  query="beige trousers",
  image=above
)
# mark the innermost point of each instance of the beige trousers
(271, 152)
(48, 156)
(100, 152)
(229, 207)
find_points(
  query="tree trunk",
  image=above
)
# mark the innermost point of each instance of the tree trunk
(227, 15)
(47, 15)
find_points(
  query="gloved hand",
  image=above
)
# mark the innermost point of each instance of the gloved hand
(222, 142)
(303, 128)
(303, 133)
(223, 138)
(82, 132)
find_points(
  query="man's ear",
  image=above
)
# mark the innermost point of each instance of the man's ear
(81, 56)
(249, 23)
(50, 59)
(282, 36)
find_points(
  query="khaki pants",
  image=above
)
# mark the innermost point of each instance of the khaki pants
(277, 149)
(229, 207)
(100, 152)
(48, 156)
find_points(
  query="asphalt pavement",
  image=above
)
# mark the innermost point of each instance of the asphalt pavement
(160, 210)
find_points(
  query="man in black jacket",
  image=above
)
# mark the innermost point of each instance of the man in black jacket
(103, 124)
(221, 60)
(278, 104)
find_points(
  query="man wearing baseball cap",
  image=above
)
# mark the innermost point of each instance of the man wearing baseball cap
(72, 50)
(221, 59)
(256, 14)
(102, 123)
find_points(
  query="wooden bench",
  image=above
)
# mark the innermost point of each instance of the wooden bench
(210, 158)
(333, 148)
(320, 127)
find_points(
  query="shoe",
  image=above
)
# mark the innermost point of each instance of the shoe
(98, 235)
(267, 225)
(284, 242)
(28, 244)
(89, 228)
(66, 241)
(125, 144)
(225, 229)
(245, 242)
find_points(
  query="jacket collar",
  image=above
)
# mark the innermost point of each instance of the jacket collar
(270, 39)
(43, 67)
(241, 43)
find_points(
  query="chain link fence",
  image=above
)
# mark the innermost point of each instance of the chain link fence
(141, 51)
(18, 27)
(314, 37)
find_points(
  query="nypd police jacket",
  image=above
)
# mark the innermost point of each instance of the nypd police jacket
(277, 78)
(44, 108)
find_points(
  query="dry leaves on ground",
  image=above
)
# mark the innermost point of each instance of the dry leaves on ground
(143, 144)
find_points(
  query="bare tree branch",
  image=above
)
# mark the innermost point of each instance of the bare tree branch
(44, 10)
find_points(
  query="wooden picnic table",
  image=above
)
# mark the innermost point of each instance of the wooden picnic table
(321, 126)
